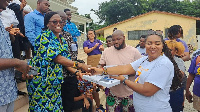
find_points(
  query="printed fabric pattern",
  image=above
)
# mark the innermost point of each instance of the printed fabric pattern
(45, 89)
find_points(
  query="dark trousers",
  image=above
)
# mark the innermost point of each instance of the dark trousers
(176, 99)
(68, 91)
(16, 47)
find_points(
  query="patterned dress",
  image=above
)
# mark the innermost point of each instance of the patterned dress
(45, 89)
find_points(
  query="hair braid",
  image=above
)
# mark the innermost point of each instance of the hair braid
(176, 82)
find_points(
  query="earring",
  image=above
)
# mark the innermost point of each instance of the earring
(162, 53)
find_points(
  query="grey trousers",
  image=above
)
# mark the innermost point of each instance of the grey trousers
(7, 108)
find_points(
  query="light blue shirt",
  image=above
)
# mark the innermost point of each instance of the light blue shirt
(8, 86)
(33, 22)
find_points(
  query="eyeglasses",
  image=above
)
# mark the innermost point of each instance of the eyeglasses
(56, 22)
(157, 32)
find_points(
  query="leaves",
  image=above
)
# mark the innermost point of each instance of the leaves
(118, 10)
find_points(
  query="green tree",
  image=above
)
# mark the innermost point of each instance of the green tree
(118, 10)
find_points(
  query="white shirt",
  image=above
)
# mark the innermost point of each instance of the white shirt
(160, 73)
(142, 50)
(8, 17)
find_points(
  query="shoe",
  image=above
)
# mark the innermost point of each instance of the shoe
(100, 109)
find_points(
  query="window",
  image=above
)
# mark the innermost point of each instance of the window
(135, 35)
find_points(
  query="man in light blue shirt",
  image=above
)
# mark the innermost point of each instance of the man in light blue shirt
(34, 21)
(71, 27)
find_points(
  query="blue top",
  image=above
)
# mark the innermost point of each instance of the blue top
(195, 70)
(33, 22)
(72, 29)
(8, 91)
(89, 44)
(47, 47)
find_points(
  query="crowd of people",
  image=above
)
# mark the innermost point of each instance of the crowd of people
(152, 74)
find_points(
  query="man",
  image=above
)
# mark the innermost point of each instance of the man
(8, 91)
(71, 27)
(34, 21)
(141, 48)
(109, 41)
(119, 98)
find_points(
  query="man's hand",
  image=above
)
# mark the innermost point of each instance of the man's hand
(23, 67)
(23, 4)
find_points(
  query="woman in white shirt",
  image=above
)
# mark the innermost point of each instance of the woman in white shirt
(155, 75)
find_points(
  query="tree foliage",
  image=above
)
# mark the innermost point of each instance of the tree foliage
(118, 10)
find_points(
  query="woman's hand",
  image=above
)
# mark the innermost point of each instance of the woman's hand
(95, 71)
(189, 96)
(86, 103)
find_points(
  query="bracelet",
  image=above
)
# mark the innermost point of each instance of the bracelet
(75, 65)
(105, 72)
(76, 72)
(124, 81)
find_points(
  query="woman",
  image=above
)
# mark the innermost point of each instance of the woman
(93, 48)
(194, 74)
(154, 75)
(174, 33)
(177, 96)
(50, 51)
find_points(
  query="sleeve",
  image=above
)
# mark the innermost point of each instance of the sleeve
(102, 59)
(53, 50)
(186, 47)
(85, 44)
(160, 76)
(100, 43)
(181, 65)
(138, 62)
(192, 66)
(30, 28)
(49, 46)
(137, 54)
(76, 32)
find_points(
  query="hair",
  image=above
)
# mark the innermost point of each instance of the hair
(47, 17)
(65, 10)
(143, 36)
(176, 82)
(114, 29)
(109, 36)
(178, 46)
(94, 34)
(174, 30)
(42, 0)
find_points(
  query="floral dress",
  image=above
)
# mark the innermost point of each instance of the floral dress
(45, 89)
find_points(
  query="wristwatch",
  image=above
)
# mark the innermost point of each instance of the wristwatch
(124, 81)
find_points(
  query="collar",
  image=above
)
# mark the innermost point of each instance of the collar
(38, 13)
(68, 21)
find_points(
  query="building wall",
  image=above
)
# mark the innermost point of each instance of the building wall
(157, 21)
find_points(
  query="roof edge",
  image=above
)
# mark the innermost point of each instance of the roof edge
(155, 11)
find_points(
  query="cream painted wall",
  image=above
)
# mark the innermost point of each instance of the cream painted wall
(157, 21)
